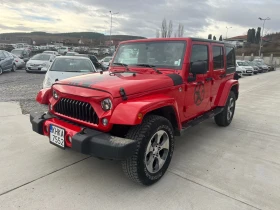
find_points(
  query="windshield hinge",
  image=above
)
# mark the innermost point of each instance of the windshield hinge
(123, 94)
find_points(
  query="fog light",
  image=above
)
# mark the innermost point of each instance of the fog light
(104, 121)
(70, 139)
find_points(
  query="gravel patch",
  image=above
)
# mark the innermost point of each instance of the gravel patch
(22, 87)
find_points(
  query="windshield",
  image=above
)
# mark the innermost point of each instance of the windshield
(107, 59)
(161, 54)
(41, 57)
(242, 64)
(17, 52)
(72, 65)
(48, 52)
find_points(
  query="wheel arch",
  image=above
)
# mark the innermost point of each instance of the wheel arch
(169, 113)
(133, 112)
(223, 93)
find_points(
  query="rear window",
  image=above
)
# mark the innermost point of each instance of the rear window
(17, 52)
(230, 57)
(218, 57)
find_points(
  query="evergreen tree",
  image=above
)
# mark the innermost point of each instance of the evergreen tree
(253, 35)
(258, 36)
(221, 38)
(210, 36)
(214, 38)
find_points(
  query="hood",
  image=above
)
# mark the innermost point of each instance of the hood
(113, 83)
(61, 75)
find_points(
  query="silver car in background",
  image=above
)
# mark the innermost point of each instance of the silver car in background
(18, 61)
(39, 63)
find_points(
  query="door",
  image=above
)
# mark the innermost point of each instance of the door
(4, 61)
(9, 59)
(219, 73)
(197, 99)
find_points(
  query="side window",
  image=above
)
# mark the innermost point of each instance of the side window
(218, 57)
(230, 57)
(6, 54)
(199, 53)
(2, 56)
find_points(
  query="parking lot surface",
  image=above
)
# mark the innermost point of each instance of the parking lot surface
(21, 87)
(237, 167)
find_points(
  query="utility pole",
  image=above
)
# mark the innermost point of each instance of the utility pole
(227, 31)
(262, 19)
(111, 13)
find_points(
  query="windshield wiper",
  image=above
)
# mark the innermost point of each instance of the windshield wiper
(151, 66)
(122, 64)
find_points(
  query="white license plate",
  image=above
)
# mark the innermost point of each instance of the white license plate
(57, 136)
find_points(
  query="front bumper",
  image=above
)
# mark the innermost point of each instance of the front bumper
(85, 140)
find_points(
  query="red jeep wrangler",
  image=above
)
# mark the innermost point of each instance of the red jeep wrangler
(155, 89)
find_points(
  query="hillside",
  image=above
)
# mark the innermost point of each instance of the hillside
(271, 46)
(41, 38)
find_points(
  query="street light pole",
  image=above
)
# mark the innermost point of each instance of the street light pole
(111, 25)
(262, 19)
(227, 31)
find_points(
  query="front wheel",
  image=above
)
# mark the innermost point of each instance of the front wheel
(225, 117)
(155, 140)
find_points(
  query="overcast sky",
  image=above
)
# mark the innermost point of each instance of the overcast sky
(139, 17)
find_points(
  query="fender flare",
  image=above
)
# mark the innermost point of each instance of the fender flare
(126, 113)
(224, 90)
(43, 96)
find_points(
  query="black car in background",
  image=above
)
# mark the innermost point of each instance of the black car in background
(94, 60)
(6, 62)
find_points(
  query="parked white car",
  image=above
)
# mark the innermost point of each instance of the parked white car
(65, 67)
(64, 50)
(39, 63)
(51, 52)
(243, 69)
(18, 62)
(105, 61)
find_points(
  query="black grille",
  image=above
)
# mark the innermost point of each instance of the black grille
(76, 109)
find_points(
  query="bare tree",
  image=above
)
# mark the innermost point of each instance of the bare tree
(164, 29)
(157, 33)
(180, 30)
(170, 29)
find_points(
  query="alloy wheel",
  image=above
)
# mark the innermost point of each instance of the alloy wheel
(157, 151)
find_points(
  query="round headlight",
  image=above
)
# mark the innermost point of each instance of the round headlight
(55, 95)
(106, 104)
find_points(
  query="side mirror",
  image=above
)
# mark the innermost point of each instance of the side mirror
(199, 67)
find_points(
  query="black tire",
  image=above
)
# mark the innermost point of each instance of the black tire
(222, 119)
(135, 166)
(14, 68)
(1, 71)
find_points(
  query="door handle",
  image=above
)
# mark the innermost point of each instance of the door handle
(223, 75)
(209, 79)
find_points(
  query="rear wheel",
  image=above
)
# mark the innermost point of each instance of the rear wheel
(154, 151)
(225, 117)
(14, 68)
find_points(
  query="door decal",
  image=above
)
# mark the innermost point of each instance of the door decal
(199, 93)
